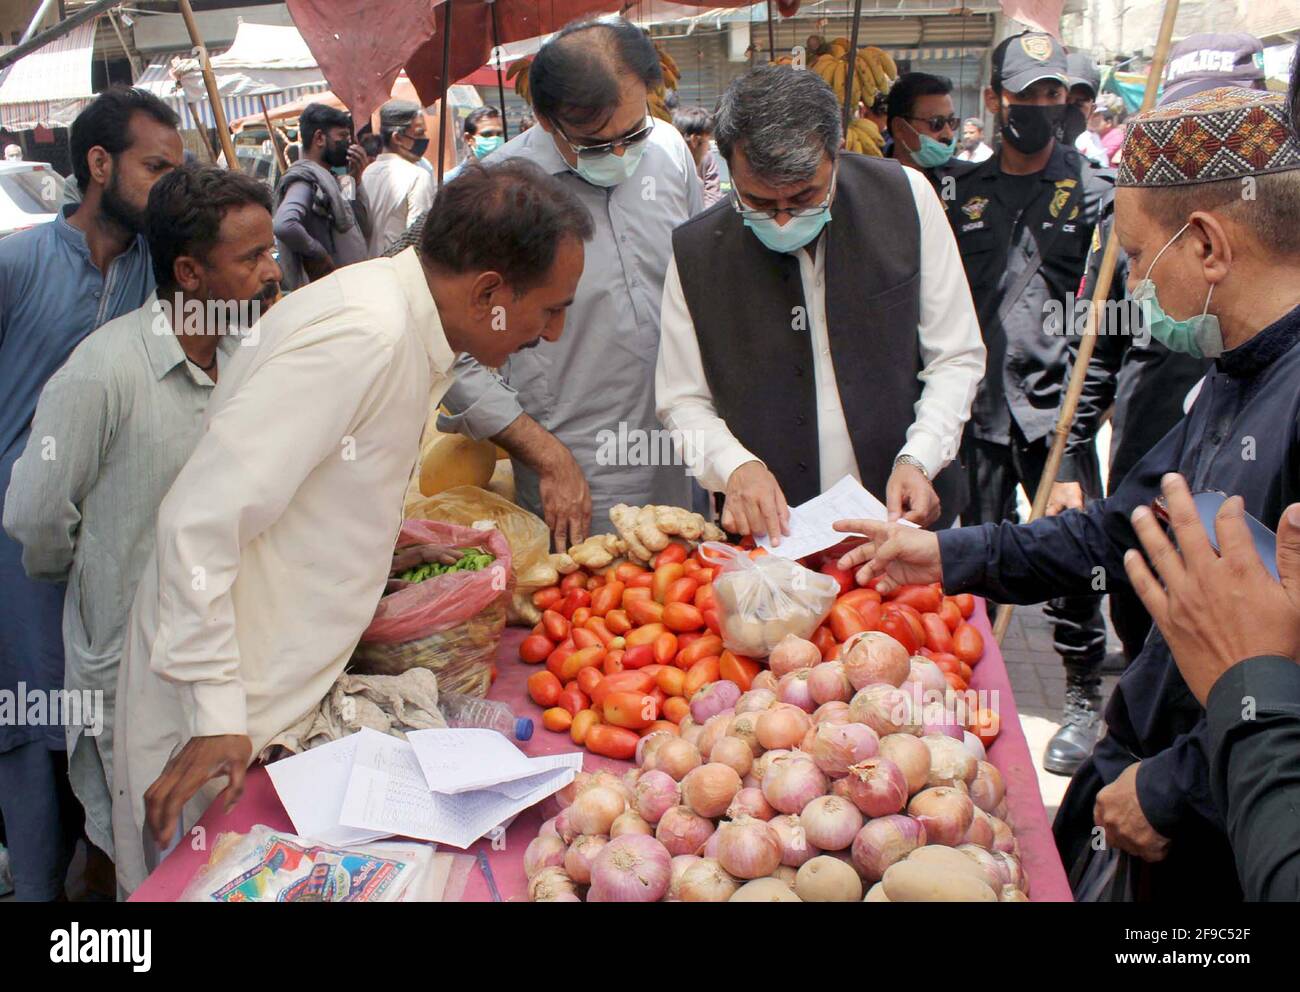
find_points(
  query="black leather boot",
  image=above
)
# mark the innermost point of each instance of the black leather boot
(1080, 725)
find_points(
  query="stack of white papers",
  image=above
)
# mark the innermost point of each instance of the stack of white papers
(810, 523)
(448, 786)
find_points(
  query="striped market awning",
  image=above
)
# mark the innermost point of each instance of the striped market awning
(50, 86)
(158, 79)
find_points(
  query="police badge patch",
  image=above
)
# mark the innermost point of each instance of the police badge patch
(1062, 194)
(974, 207)
(1038, 47)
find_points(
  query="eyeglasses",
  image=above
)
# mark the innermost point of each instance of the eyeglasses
(608, 147)
(938, 122)
(749, 213)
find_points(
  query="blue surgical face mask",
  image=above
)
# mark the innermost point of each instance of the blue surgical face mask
(487, 144)
(610, 169)
(793, 235)
(932, 152)
(1200, 336)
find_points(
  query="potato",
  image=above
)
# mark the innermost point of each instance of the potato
(916, 881)
(764, 890)
(827, 879)
(876, 894)
(949, 859)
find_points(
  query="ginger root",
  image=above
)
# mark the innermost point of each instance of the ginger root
(649, 529)
(598, 551)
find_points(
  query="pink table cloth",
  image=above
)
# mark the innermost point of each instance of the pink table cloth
(1010, 753)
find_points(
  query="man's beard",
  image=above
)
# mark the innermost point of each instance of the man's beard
(121, 213)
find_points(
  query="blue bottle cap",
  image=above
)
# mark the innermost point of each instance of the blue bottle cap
(523, 728)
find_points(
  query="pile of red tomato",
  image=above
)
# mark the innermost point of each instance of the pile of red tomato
(624, 651)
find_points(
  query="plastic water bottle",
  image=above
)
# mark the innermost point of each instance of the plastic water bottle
(467, 711)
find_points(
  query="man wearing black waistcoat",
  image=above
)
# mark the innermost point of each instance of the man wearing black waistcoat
(797, 349)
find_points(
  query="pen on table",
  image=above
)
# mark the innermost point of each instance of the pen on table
(486, 869)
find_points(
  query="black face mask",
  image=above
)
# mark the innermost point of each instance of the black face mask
(1074, 123)
(1029, 128)
(419, 146)
(336, 154)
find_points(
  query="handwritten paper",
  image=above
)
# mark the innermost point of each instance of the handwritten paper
(311, 786)
(810, 522)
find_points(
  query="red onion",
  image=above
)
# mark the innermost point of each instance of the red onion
(709, 789)
(577, 862)
(836, 746)
(791, 783)
(631, 822)
(711, 846)
(552, 885)
(744, 727)
(945, 813)
(884, 709)
(911, 756)
(936, 718)
(873, 658)
(677, 757)
(676, 869)
(830, 823)
(792, 654)
(564, 828)
(1003, 839)
(829, 683)
(656, 792)
(689, 730)
(755, 701)
(609, 781)
(712, 699)
(885, 841)
(750, 802)
(705, 881)
(793, 689)
(1018, 878)
(631, 868)
(748, 848)
(981, 830)
(595, 810)
(548, 829)
(806, 744)
(950, 762)
(925, 674)
(682, 831)
(764, 761)
(716, 726)
(569, 793)
(974, 745)
(841, 787)
(987, 788)
(647, 747)
(795, 846)
(543, 851)
(995, 872)
(734, 753)
(782, 726)
(833, 712)
(877, 787)
(764, 680)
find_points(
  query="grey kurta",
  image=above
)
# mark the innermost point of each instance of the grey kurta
(601, 374)
(112, 429)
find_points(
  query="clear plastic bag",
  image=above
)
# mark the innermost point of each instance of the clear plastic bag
(530, 541)
(761, 600)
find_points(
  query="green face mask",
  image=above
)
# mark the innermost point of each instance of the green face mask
(1200, 336)
(932, 152)
(485, 145)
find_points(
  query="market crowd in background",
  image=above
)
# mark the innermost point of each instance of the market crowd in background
(127, 440)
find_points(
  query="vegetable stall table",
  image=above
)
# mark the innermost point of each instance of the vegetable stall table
(1010, 753)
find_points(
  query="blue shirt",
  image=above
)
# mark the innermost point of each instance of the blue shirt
(51, 296)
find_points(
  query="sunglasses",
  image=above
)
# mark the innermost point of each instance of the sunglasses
(609, 147)
(749, 213)
(938, 122)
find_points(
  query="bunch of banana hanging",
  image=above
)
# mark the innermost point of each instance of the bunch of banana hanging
(873, 70)
(864, 137)
(519, 73)
(657, 96)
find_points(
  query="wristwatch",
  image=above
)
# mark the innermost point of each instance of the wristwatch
(914, 462)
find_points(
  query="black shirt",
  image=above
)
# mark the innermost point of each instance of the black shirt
(997, 219)
(1253, 713)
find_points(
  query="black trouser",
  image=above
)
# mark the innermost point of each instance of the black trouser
(1078, 631)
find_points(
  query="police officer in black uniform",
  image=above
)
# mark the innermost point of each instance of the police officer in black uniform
(1024, 220)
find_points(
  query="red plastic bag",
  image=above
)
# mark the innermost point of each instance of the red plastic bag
(444, 601)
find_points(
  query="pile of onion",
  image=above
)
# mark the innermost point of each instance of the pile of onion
(748, 848)
(836, 746)
(792, 782)
(631, 868)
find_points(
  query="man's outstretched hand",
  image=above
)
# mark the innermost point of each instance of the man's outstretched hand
(903, 555)
(1214, 610)
(199, 761)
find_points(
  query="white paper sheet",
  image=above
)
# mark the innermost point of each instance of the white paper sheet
(387, 791)
(810, 522)
(311, 787)
(456, 760)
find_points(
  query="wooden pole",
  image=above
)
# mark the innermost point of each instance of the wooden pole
(280, 158)
(1100, 293)
(771, 34)
(64, 26)
(501, 79)
(852, 56)
(210, 82)
(446, 73)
